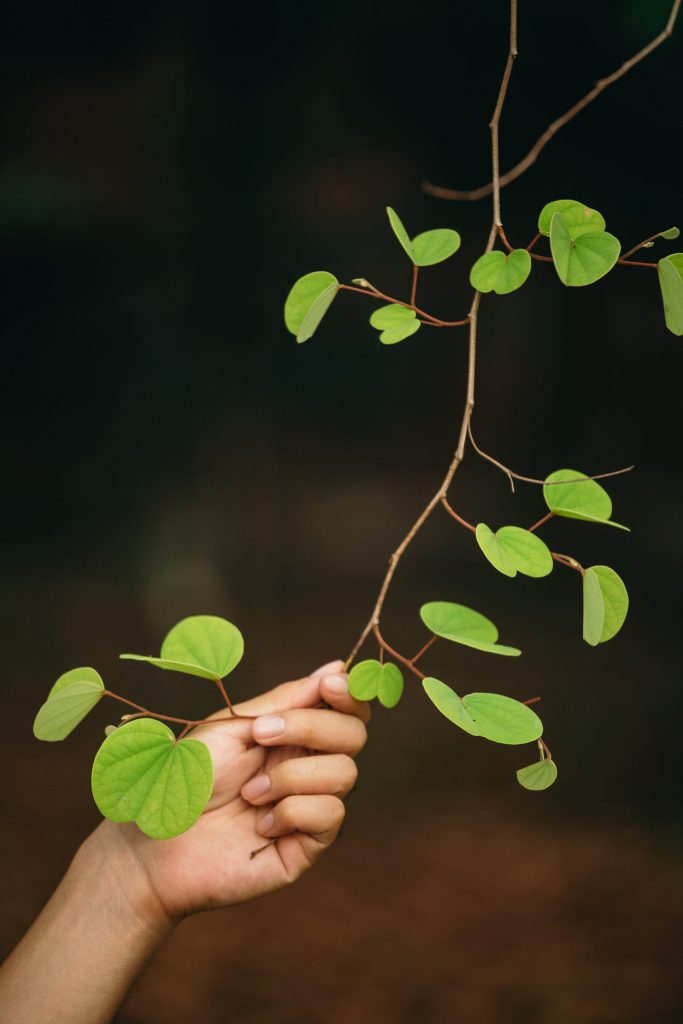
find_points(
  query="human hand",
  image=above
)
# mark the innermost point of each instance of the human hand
(281, 776)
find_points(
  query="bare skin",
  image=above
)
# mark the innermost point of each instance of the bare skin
(281, 777)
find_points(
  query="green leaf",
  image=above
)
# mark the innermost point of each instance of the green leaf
(538, 776)
(449, 704)
(578, 217)
(142, 774)
(670, 272)
(582, 260)
(69, 701)
(400, 232)
(495, 271)
(434, 246)
(370, 679)
(578, 498)
(605, 604)
(395, 322)
(201, 645)
(670, 233)
(494, 550)
(490, 715)
(308, 301)
(527, 552)
(463, 625)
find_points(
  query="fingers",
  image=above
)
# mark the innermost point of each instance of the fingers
(300, 693)
(334, 688)
(319, 817)
(334, 774)
(316, 729)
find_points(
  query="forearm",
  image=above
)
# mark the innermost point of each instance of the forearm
(81, 955)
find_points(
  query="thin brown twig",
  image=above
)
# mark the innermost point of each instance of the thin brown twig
(459, 519)
(526, 162)
(189, 723)
(413, 289)
(375, 294)
(544, 519)
(423, 650)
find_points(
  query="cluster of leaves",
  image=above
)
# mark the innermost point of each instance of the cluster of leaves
(142, 773)
(582, 253)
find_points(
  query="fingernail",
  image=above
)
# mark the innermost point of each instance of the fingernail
(268, 727)
(336, 684)
(266, 823)
(256, 787)
(330, 666)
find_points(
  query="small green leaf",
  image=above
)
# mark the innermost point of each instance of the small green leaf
(500, 272)
(670, 273)
(69, 701)
(308, 301)
(582, 260)
(593, 608)
(605, 604)
(449, 704)
(578, 498)
(463, 625)
(502, 719)
(201, 645)
(494, 550)
(370, 679)
(142, 774)
(538, 776)
(434, 246)
(670, 233)
(527, 552)
(578, 217)
(395, 322)
(400, 232)
(390, 685)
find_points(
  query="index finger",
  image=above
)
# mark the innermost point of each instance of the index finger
(334, 688)
(300, 693)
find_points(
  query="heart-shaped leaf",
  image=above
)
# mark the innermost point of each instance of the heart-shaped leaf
(308, 301)
(370, 679)
(500, 272)
(493, 716)
(434, 246)
(582, 260)
(574, 495)
(201, 645)
(538, 776)
(69, 701)
(494, 550)
(605, 604)
(395, 322)
(528, 553)
(578, 217)
(463, 625)
(142, 774)
(671, 283)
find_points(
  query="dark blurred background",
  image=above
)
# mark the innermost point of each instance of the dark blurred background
(167, 171)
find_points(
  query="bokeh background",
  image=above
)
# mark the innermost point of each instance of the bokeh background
(167, 171)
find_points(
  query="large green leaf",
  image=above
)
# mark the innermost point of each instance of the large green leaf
(201, 645)
(370, 679)
(538, 776)
(500, 272)
(463, 625)
(512, 549)
(490, 715)
(494, 550)
(142, 774)
(69, 701)
(574, 495)
(434, 246)
(605, 604)
(400, 232)
(671, 283)
(395, 322)
(582, 260)
(308, 301)
(578, 217)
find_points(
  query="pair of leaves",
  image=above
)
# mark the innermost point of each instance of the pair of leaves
(428, 248)
(574, 495)
(464, 626)
(308, 301)
(71, 698)
(395, 322)
(501, 272)
(605, 604)
(370, 679)
(538, 776)
(201, 645)
(489, 715)
(670, 272)
(512, 549)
